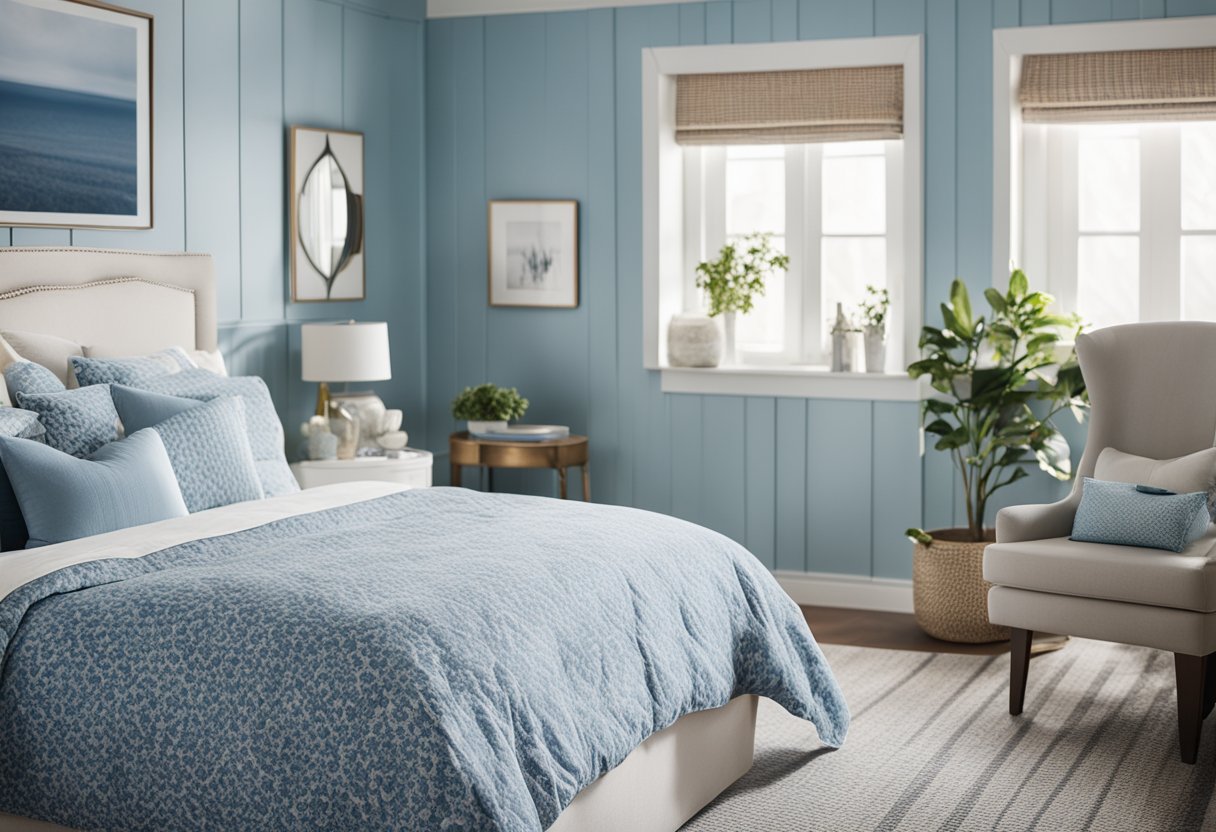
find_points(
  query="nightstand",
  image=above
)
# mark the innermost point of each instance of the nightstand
(411, 469)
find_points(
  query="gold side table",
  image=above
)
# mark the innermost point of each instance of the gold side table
(559, 454)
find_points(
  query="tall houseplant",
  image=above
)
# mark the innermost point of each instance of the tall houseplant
(736, 279)
(1000, 381)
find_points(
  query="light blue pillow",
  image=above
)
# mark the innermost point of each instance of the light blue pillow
(124, 484)
(130, 370)
(1115, 512)
(77, 422)
(24, 424)
(207, 443)
(28, 377)
(265, 430)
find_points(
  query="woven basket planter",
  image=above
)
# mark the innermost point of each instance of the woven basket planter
(949, 592)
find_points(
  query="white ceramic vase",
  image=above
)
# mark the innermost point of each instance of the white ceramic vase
(729, 354)
(876, 349)
(694, 341)
(478, 427)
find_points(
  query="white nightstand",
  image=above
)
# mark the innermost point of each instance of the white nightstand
(411, 469)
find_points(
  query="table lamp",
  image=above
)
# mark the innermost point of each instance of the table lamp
(349, 351)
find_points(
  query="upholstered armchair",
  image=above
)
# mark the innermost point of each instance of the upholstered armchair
(1152, 388)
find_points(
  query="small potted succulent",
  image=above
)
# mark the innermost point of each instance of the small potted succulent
(736, 279)
(874, 311)
(487, 407)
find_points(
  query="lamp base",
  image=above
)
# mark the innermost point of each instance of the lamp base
(323, 399)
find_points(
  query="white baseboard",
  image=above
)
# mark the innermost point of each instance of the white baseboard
(854, 592)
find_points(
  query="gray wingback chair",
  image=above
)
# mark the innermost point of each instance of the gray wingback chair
(1152, 388)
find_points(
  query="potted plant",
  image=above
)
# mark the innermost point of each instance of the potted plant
(736, 279)
(999, 383)
(874, 327)
(488, 407)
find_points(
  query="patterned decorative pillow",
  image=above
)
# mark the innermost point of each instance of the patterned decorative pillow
(129, 370)
(1118, 513)
(124, 484)
(29, 377)
(265, 430)
(77, 422)
(207, 442)
(23, 424)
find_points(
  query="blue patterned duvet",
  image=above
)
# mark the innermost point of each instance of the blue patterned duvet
(436, 659)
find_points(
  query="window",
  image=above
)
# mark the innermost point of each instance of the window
(818, 144)
(828, 205)
(1121, 219)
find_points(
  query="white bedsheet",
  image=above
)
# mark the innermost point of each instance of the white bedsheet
(19, 567)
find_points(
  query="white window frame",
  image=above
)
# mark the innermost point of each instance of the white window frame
(1012, 244)
(667, 253)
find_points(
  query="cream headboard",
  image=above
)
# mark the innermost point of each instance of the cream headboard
(132, 302)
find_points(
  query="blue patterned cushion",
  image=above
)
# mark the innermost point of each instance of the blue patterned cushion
(131, 370)
(1115, 512)
(265, 430)
(124, 484)
(24, 424)
(77, 422)
(28, 377)
(207, 442)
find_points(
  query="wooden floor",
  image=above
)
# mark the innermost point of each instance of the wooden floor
(896, 631)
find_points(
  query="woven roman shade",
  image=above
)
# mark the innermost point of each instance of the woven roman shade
(1144, 85)
(791, 106)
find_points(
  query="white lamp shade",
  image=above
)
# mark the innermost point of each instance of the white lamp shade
(345, 352)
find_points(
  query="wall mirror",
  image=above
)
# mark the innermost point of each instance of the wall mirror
(326, 215)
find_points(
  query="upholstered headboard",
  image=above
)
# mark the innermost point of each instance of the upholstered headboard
(133, 302)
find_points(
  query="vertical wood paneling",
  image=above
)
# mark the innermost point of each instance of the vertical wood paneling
(785, 20)
(839, 493)
(1183, 8)
(692, 23)
(1124, 9)
(722, 463)
(599, 228)
(895, 504)
(213, 143)
(42, 236)
(687, 455)
(1152, 8)
(1036, 12)
(1079, 11)
(312, 66)
(761, 487)
(719, 22)
(263, 239)
(1006, 13)
(442, 336)
(752, 21)
(901, 17)
(833, 19)
(791, 476)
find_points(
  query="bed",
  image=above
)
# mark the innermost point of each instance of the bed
(361, 657)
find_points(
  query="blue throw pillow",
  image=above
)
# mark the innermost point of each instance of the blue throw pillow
(265, 430)
(207, 443)
(1115, 512)
(124, 484)
(24, 424)
(28, 377)
(77, 422)
(131, 370)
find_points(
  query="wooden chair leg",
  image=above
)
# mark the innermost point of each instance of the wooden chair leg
(1191, 673)
(1019, 664)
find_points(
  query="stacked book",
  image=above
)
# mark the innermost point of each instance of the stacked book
(526, 433)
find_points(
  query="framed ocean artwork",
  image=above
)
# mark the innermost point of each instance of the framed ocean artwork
(75, 115)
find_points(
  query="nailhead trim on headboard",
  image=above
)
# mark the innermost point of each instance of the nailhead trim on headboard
(31, 290)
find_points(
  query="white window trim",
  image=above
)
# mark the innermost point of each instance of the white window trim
(663, 216)
(1008, 47)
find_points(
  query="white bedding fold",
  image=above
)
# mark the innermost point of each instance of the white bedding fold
(19, 567)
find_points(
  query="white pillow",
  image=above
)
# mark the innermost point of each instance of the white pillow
(50, 351)
(1184, 474)
(210, 360)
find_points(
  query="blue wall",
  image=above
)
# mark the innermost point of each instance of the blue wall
(549, 105)
(229, 76)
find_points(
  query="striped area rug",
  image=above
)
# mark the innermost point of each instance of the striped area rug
(932, 747)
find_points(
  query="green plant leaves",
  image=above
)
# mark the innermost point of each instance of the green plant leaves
(919, 536)
(736, 278)
(489, 403)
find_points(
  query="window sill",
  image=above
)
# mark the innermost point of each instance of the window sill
(808, 382)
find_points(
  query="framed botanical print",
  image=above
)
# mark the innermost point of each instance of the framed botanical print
(75, 114)
(326, 215)
(533, 253)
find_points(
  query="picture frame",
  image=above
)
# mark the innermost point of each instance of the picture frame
(76, 93)
(326, 198)
(533, 253)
